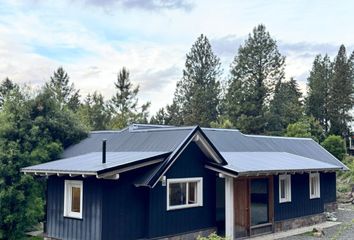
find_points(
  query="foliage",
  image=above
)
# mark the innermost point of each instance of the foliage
(341, 93)
(307, 127)
(285, 107)
(197, 93)
(212, 236)
(94, 112)
(32, 130)
(335, 145)
(6, 87)
(254, 72)
(317, 99)
(222, 122)
(124, 104)
(63, 92)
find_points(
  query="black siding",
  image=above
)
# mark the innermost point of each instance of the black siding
(328, 187)
(301, 204)
(124, 208)
(58, 226)
(164, 223)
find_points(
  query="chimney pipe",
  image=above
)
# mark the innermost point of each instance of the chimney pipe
(104, 150)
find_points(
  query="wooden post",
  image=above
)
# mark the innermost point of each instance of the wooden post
(229, 208)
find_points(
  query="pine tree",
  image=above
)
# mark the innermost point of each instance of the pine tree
(6, 87)
(63, 91)
(318, 90)
(197, 93)
(341, 93)
(124, 104)
(94, 112)
(285, 107)
(160, 117)
(257, 67)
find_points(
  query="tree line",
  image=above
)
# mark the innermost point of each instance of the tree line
(35, 127)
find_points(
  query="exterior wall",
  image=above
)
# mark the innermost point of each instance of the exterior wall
(301, 204)
(58, 226)
(125, 207)
(166, 223)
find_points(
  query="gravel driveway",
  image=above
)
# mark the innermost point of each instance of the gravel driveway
(344, 231)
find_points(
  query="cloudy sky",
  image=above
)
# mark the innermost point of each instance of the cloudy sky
(93, 39)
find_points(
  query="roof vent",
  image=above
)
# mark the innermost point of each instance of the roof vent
(104, 150)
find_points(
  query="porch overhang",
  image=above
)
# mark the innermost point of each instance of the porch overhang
(90, 165)
(269, 163)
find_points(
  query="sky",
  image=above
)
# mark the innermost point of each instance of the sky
(93, 39)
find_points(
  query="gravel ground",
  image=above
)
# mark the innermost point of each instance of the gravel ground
(344, 231)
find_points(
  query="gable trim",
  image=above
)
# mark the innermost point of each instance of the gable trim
(196, 135)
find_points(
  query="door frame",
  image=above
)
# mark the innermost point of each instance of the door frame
(230, 204)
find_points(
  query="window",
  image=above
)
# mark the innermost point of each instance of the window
(73, 199)
(184, 192)
(314, 179)
(284, 188)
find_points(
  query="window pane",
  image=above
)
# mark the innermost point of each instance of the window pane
(312, 186)
(192, 193)
(282, 188)
(75, 199)
(177, 194)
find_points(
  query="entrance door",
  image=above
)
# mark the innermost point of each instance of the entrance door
(253, 206)
(241, 206)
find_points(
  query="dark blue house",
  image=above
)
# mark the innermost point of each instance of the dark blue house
(162, 182)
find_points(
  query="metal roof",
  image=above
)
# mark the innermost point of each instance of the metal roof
(258, 162)
(131, 140)
(91, 163)
(234, 141)
(143, 142)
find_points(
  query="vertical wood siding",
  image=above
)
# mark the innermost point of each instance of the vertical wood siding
(301, 204)
(124, 208)
(162, 222)
(89, 227)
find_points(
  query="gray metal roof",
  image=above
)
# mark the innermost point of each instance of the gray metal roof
(91, 163)
(234, 141)
(131, 140)
(138, 142)
(258, 162)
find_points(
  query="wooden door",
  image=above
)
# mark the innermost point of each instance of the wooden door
(241, 206)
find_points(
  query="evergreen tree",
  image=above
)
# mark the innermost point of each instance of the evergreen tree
(6, 87)
(197, 93)
(254, 72)
(318, 90)
(94, 112)
(160, 117)
(63, 91)
(124, 104)
(285, 107)
(341, 93)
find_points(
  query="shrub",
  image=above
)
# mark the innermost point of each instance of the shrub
(212, 236)
(335, 145)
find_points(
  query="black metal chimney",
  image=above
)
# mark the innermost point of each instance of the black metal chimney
(104, 150)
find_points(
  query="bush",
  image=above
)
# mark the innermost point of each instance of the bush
(335, 145)
(212, 236)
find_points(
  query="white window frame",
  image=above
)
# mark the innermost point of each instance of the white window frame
(287, 179)
(199, 188)
(317, 186)
(67, 198)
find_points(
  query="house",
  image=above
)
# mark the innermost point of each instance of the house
(162, 182)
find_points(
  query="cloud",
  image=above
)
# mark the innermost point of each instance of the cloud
(227, 46)
(152, 5)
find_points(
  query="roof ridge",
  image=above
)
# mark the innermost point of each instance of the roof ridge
(221, 129)
(162, 129)
(280, 137)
